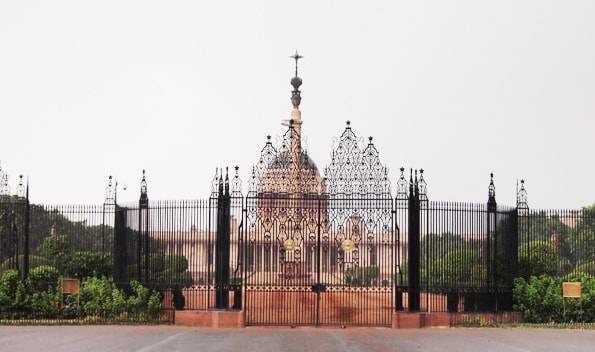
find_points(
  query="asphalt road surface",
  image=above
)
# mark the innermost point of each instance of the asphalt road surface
(171, 338)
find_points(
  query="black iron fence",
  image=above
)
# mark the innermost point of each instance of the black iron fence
(295, 259)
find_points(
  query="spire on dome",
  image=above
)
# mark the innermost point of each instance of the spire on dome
(296, 82)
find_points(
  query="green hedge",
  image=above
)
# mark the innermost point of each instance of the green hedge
(539, 299)
(99, 299)
(84, 264)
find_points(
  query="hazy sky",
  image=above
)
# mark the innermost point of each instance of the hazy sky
(460, 88)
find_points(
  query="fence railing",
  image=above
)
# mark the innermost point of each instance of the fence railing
(467, 255)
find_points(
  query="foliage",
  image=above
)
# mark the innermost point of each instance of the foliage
(438, 245)
(43, 279)
(8, 289)
(540, 300)
(574, 242)
(140, 297)
(176, 263)
(154, 304)
(362, 276)
(56, 250)
(19, 261)
(9, 283)
(84, 264)
(101, 297)
(71, 307)
(456, 269)
(166, 270)
(169, 278)
(45, 304)
(587, 268)
(178, 298)
(401, 278)
(39, 295)
(582, 237)
(537, 258)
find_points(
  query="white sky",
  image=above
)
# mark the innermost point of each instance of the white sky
(460, 88)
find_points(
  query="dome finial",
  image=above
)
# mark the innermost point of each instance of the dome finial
(296, 82)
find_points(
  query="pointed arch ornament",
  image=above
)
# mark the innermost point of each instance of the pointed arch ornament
(356, 170)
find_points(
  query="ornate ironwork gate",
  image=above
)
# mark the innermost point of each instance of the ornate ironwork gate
(319, 251)
(319, 261)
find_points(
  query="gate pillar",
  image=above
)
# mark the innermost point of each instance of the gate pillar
(222, 245)
(488, 300)
(143, 233)
(120, 247)
(413, 240)
(27, 229)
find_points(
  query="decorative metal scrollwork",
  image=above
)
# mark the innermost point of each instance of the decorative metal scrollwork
(236, 184)
(4, 188)
(422, 186)
(21, 192)
(402, 186)
(110, 192)
(292, 212)
(143, 185)
(492, 188)
(287, 170)
(215, 184)
(355, 171)
(521, 197)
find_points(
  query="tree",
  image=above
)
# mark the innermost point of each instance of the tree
(537, 258)
(56, 250)
(582, 237)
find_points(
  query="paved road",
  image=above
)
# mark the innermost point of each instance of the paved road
(170, 338)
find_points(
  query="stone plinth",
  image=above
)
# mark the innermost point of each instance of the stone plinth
(211, 318)
(408, 320)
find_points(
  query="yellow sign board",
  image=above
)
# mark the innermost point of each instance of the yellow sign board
(571, 289)
(70, 286)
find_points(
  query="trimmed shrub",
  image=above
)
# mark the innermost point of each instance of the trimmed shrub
(8, 290)
(43, 279)
(101, 297)
(84, 264)
(9, 283)
(45, 304)
(140, 298)
(154, 304)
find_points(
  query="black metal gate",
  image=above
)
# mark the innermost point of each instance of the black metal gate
(319, 260)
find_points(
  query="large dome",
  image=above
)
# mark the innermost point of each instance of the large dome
(284, 175)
